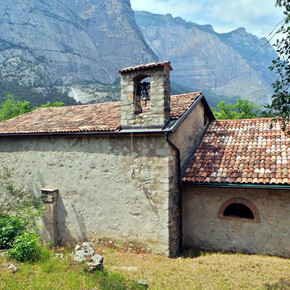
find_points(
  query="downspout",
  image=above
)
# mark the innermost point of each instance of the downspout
(180, 191)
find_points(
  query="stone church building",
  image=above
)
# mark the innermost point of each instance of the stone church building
(154, 171)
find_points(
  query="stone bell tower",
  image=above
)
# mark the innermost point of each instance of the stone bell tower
(145, 95)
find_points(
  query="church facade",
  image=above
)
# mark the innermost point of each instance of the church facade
(152, 171)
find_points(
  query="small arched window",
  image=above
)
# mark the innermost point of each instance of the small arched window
(142, 96)
(239, 209)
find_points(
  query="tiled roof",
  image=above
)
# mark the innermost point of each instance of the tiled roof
(145, 66)
(181, 103)
(102, 117)
(84, 118)
(241, 151)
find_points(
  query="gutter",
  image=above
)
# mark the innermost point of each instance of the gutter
(236, 185)
(180, 189)
(96, 134)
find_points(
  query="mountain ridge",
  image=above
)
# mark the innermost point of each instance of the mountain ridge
(77, 47)
(62, 43)
(205, 59)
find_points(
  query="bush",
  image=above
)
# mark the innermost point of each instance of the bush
(25, 248)
(10, 228)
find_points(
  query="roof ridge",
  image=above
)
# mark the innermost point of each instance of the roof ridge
(82, 105)
(186, 94)
(145, 66)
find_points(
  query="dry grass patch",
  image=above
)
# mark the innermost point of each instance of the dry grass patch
(208, 271)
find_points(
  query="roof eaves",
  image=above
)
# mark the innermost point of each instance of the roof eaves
(237, 185)
(86, 133)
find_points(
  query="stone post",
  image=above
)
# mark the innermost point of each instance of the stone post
(50, 230)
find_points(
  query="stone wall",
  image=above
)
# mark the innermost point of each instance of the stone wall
(185, 138)
(116, 188)
(189, 133)
(204, 229)
(159, 112)
(174, 205)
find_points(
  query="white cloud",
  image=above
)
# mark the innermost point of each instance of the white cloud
(174, 7)
(257, 16)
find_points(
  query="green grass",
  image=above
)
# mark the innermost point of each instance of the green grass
(196, 270)
(54, 273)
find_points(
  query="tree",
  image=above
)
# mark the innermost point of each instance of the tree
(243, 109)
(12, 108)
(55, 104)
(281, 66)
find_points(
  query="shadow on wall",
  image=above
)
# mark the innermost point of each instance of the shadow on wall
(65, 236)
(79, 227)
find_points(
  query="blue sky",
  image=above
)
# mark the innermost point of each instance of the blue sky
(257, 16)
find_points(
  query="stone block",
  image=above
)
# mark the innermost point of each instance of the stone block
(49, 198)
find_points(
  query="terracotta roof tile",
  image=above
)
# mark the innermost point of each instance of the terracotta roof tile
(102, 117)
(181, 103)
(146, 66)
(84, 118)
(241, 151)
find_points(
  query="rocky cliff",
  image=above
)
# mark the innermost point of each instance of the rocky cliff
(64, 42)
(233, 64)
(77, 46)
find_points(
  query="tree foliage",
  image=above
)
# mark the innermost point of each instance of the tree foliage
(12, 108)
(281, 66)
(55, 104)
(19, 212)
(243, 109)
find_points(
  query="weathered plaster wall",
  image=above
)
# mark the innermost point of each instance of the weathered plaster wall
(112, 188)
(189, 133)
(202, 228)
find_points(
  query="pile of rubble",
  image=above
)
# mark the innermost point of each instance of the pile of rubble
(86, 254)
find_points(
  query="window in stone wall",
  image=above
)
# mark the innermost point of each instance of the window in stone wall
(142, 94)
(239, 209)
